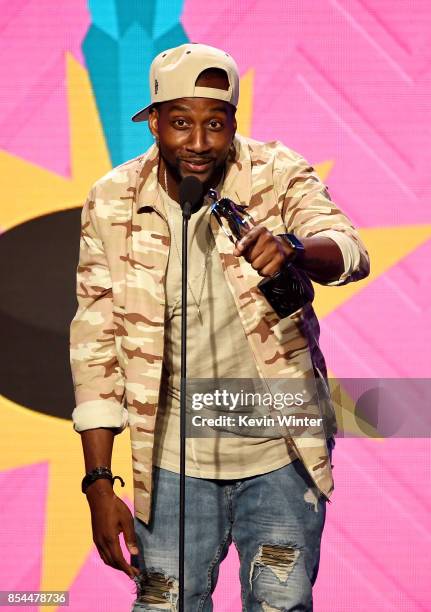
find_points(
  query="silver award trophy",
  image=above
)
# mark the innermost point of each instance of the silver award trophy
(286, 291)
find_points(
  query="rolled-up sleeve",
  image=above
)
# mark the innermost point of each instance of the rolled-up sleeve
(97, 377)
(308, 210)
(350, 253)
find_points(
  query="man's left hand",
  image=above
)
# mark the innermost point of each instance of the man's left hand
(265, 252)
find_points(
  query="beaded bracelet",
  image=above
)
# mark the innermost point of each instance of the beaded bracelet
(96, 474)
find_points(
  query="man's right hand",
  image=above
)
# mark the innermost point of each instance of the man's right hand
(109, 517)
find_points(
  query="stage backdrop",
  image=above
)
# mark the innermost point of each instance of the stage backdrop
(346, 83)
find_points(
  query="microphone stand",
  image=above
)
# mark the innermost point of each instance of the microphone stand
(186, 216)
(190, 194)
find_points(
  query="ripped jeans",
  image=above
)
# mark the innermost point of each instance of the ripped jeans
(275, 521)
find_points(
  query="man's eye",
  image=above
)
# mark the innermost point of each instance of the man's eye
(216, 124)
(179, 123)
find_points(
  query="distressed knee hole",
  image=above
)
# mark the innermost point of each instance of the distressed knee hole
(157, 589)
(267, 608)
(311, 497)
(277, 558)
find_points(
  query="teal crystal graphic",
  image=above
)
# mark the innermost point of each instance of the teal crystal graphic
(124, 37)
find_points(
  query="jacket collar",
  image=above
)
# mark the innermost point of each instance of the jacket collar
(236, 186)
(147, 184)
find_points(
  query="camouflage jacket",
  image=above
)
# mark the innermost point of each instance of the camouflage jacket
(117, 334)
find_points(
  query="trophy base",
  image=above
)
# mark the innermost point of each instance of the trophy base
(287, 291)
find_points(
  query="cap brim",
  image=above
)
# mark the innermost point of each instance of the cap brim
(142, 115)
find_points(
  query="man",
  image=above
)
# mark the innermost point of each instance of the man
(267, 494)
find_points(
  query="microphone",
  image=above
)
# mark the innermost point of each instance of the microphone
(191, 195)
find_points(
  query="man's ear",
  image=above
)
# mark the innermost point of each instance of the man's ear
(153, 123)
(234, 123)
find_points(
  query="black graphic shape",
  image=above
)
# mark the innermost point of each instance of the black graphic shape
(38, 262)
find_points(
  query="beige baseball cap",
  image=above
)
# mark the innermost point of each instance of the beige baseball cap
(174, 72)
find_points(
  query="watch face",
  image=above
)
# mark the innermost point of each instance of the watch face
(293, 241)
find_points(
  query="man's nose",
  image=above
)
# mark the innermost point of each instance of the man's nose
(198, 142)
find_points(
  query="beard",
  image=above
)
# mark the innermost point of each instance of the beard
(211, 181)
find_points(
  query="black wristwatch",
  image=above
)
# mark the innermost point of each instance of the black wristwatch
(295, 244)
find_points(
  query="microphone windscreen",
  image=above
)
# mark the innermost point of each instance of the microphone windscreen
(192, 191)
